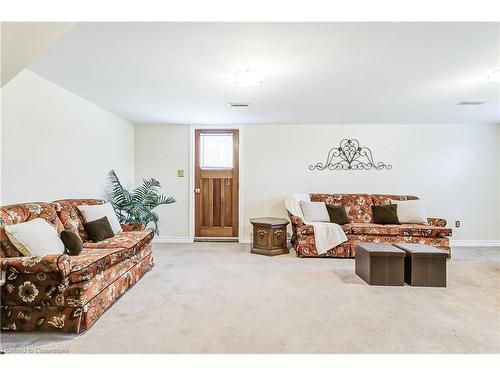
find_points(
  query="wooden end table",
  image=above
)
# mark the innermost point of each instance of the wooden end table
(269, 236)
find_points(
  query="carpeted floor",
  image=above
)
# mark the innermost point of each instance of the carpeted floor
(219, 298)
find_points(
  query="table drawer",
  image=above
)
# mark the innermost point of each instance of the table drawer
(279, 238)
(261, 237)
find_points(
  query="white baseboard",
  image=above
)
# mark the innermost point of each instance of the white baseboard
(186, 239)
(172, 239)
(249, 240)
(486, 243)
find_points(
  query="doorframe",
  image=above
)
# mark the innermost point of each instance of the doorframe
(192, 129)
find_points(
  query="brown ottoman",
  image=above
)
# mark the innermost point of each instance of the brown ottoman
(380, 264)
(424, 265)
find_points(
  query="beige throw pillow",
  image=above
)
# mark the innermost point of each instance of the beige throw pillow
(315, 211)
(411, 212)
(98, 211)
(35, 238)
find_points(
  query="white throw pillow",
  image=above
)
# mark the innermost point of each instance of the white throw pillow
(411, 212)
(35, 238)
(98, 211)
(314, 211)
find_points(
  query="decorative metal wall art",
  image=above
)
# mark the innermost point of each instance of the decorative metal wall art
(349, 156)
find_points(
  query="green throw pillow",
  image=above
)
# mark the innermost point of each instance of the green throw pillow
(337, 214)
(386, 214)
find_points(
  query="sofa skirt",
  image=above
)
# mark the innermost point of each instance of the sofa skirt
(73, 319)
(305, 246)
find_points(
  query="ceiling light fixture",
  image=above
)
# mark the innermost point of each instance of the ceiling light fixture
(238, 104)
(470, 102)
(247, 78)
(494, 75)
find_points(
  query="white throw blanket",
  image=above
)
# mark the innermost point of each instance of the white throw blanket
(326, 235)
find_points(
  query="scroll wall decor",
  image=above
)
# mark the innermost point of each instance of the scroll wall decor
(349, 156)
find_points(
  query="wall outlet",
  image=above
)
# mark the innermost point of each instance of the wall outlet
(180, 173)
(457, 223)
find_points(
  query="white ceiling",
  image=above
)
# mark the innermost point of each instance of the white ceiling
(313, 72)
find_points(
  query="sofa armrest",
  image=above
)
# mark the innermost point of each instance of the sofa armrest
(56, 263)
(295, 220)
(436, 222)
(132, 227)
(299, 227)
(305, 230)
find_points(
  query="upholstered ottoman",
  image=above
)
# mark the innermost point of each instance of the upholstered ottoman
(380, 264)
(424, 265)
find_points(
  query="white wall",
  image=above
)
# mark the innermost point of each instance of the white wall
(57, 145)
(453, 167)
(498, 172)
(161, 150)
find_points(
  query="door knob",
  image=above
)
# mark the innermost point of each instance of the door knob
(197, 190)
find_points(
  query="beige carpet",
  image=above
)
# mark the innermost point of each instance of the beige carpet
(219, 298)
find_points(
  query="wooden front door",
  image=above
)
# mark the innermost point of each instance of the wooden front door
(216, 183)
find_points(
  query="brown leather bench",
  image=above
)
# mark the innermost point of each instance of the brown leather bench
(424, 265)
(380, 263)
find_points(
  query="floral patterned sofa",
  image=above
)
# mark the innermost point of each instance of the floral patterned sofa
(362, 228)
(61, 292)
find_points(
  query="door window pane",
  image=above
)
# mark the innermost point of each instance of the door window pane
(216, 150)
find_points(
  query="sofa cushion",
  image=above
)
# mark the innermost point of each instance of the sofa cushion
(126, 240)
(70, 216)
(357, 206)
(20, 213)
(79, 292)
(415, 230)
(90, 262)
(383, 199)
(99, 256)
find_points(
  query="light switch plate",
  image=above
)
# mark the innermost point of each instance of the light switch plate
(180, 173)
(457, 223)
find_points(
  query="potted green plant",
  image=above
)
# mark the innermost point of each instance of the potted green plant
(135, 208)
